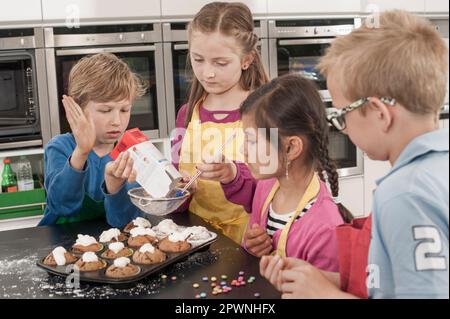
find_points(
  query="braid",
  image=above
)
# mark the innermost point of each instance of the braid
(329, 166)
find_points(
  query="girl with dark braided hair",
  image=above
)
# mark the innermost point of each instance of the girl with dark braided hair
(293, 213)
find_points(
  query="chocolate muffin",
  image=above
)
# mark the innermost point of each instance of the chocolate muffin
(86, 243)
(148, 255)
(138, 222)
(90, 262)
(122, 268)
(111, 236)
(141, 236)
(116, 250)
(59, 257)
(174, 243)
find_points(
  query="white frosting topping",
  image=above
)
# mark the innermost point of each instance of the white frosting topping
(121, 262)
(199, 232)
(85, 240)
(141, 231)
(147, 248)
(142, 222)
(89, 257)
(178, 236)
(109, 235)
(167, 226)
(58, 255)
(116, 247)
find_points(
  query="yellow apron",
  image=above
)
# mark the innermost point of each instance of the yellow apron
(311, 192)
(209, 201)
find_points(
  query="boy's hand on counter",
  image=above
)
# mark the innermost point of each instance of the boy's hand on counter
(119, 171)
(270, 268)
(299, 279)
(221, 171)
(257, 241)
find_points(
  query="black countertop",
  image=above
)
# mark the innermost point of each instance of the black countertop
(21, 278)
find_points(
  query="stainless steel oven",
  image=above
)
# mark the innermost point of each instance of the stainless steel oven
(138, 45)
(295, 46)
(177, 76)
(24, 118)
(349, 159)
(442, 26)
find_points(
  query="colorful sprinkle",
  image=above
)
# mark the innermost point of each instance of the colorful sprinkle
(213, 284)
(205, 279)
(224, 277)
(257, 295)
(163, 277)
(197, 296)
(213, 279)
(203, 295)
(174, 278)
(241, 273)
(195, 286)
(223, 283)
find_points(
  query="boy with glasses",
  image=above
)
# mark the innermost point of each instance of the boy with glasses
(397, 74)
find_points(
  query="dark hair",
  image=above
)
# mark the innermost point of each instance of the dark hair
(230, 19)
(292, 104)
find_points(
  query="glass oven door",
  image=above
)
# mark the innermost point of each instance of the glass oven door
(141, 60)
(348, 158)
(18, 98)
(300, 56)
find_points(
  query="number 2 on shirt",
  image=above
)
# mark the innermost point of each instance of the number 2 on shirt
(428, 249)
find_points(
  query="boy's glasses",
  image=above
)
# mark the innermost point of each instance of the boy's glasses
(336, 117)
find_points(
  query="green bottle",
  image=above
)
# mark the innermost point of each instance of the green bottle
(9, 181)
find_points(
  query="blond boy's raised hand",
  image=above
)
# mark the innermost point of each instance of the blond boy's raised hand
(81, 124)
(83, 130)
(118, 172)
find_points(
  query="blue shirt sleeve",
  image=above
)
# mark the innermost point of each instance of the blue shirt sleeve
(63, 183)
(410, 245)
(119, 208)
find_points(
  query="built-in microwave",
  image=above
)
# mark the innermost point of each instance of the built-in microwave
(177, 76)
(24, 118)
(139, 45)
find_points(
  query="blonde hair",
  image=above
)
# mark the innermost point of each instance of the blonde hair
(230, 19)
(404, 58)
(103, 78)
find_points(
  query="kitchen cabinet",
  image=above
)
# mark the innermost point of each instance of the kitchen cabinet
(417, 6)
(306, 7)
(373, 170)
(60, 10)
(351, 192)
(170, 8)
(21, 11)
(436, 6)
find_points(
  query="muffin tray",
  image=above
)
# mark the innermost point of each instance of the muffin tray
(100, 277)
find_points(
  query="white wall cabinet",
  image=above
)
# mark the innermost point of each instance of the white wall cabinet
(306, 7)
(60, 10)
(174, 8)
(417, 6)
(436, 6)
(351, 192)
(20, 11)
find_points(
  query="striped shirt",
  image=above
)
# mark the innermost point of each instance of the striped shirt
(278, 221)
